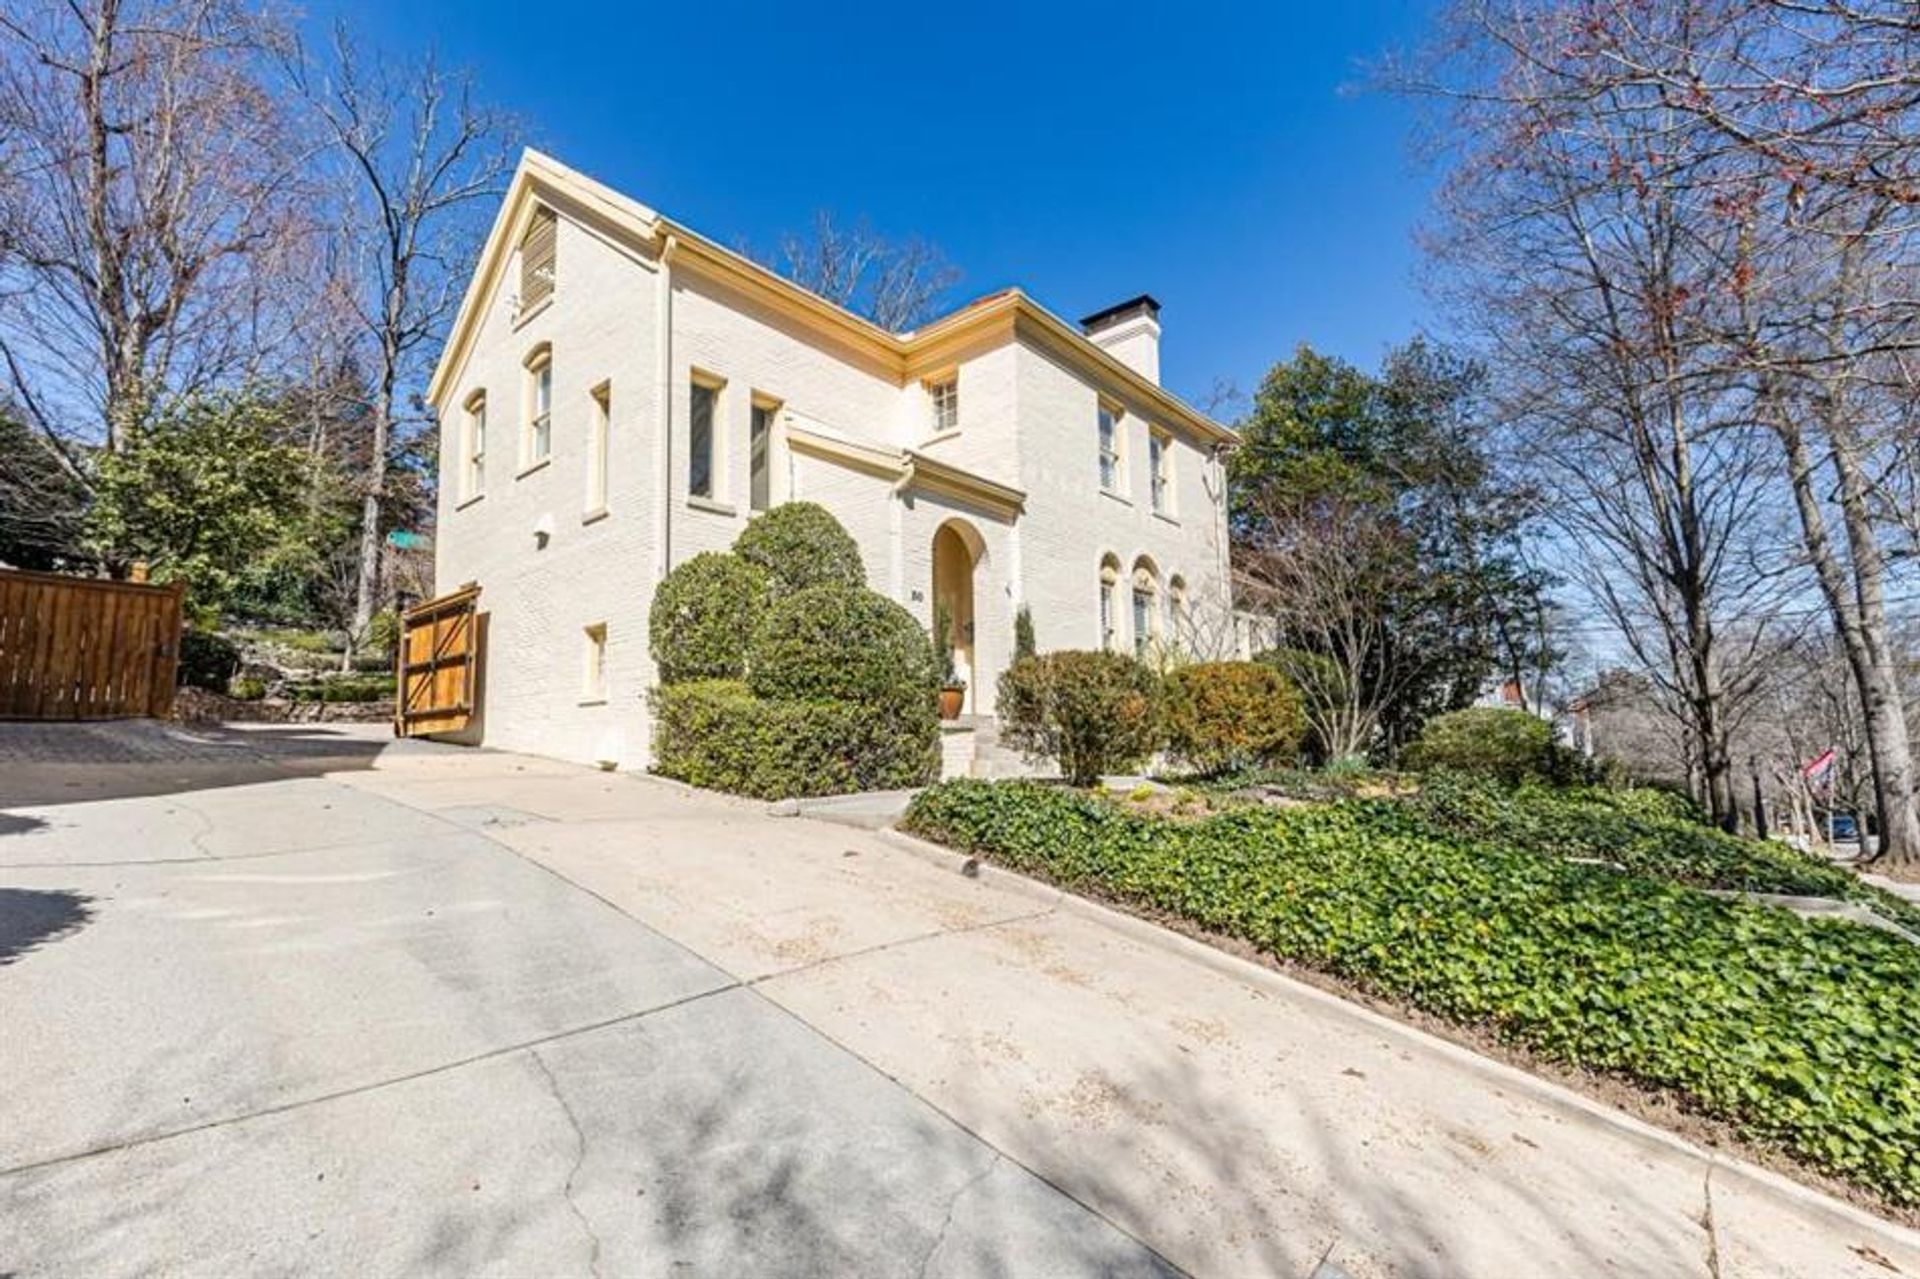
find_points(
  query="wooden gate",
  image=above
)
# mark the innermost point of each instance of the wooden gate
(439, 665)
(86, 648)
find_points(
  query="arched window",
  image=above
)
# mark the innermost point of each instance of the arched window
(1146, 607)
(1109, 602)
(537, 259)
(1179, 614)
(537, 444)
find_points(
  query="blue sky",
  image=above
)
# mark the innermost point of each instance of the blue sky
(1202, 153)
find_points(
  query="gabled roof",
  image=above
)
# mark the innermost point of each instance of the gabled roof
(540, 179)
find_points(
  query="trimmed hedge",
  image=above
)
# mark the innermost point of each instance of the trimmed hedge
(1091, 712)
(845, 643)
(1491, 741)
(1232, 715)
(800, 544)
(1801, 1033)
(717, 734)
(703, 615)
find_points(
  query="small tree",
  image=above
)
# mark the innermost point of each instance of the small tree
(1023, 645)
(204, 492)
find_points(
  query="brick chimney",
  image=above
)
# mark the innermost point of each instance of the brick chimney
(1130, 332)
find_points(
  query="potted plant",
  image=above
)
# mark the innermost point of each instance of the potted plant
(953, 689)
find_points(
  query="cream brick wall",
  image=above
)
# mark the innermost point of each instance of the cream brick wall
(1025, 421)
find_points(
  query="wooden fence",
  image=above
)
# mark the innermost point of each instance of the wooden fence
(439, 665)
(86, 648)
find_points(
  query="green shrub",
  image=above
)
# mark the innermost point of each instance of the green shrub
(703, 615)
(717, 734)
(343, 688)
(1232, 715)
(247, 689)
(841, 643)
(1091, 712)
(207, 660)
(1486, 740)
(1801, 1033)
(383, 632)
(800, 545)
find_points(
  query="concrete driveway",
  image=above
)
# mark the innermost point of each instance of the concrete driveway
(303, 999)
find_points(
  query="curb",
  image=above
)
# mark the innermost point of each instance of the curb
(1582, 1109)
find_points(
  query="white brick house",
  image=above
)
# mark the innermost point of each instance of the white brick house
(619, 393)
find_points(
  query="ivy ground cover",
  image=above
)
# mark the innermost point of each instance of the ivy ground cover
(1802, 1034)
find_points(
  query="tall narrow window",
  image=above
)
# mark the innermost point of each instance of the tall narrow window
(760, 457)
(1146, 611)
(1109, 449)
(1179, 615)
(537, 259)
(705, 400)
(593, 681)
(1160, 467)
(475, 476)
(597, 432)
(1109, 585)
(540, 406)
(943, 403)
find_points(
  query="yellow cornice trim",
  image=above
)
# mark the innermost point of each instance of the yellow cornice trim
(888, 463)
(904, 357)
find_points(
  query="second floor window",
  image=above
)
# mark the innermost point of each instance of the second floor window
(1109, 450)
(759, 458)
(943, 401)
(600, 429)
(476, 472)
(540, 407)
(1159, 466)
(705, 400)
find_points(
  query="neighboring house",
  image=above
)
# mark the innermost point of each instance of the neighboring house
(620, 393)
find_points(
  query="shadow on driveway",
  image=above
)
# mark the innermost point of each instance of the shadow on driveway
(31, 918)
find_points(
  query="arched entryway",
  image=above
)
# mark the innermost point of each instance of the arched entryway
(957, 551)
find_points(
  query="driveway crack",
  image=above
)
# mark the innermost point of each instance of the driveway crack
(579, 1158)
(953, 1205)
(1706, 1223)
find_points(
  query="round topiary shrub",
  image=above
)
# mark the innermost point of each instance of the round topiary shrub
(1226, 715)
(703, 615)
(846, 644)
(800, 545)
(1490, 741)
(1093, 713)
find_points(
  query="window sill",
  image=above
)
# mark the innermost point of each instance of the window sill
(527, 315)
(1117, 496)
(939, 437)
(531, 467)
(594, 516)
(593, 701)
(710, 506)
(1170, 519)
(465, 502)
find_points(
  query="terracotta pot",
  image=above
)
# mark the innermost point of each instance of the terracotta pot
(951, 700)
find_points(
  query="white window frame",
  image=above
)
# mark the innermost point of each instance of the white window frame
(599, 447)
(473, 448)
(1109, 585)
(1160, 470)
(943, 404)
(767, 408)
(536, 442)
(1111, 442)
(716, 387)
(1144, 601)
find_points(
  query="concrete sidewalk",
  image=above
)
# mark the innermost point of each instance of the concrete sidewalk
(460, 1011)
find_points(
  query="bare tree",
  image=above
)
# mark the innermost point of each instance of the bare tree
(417, 161)
(897, 285)
(1580, 236)
(149, 212)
